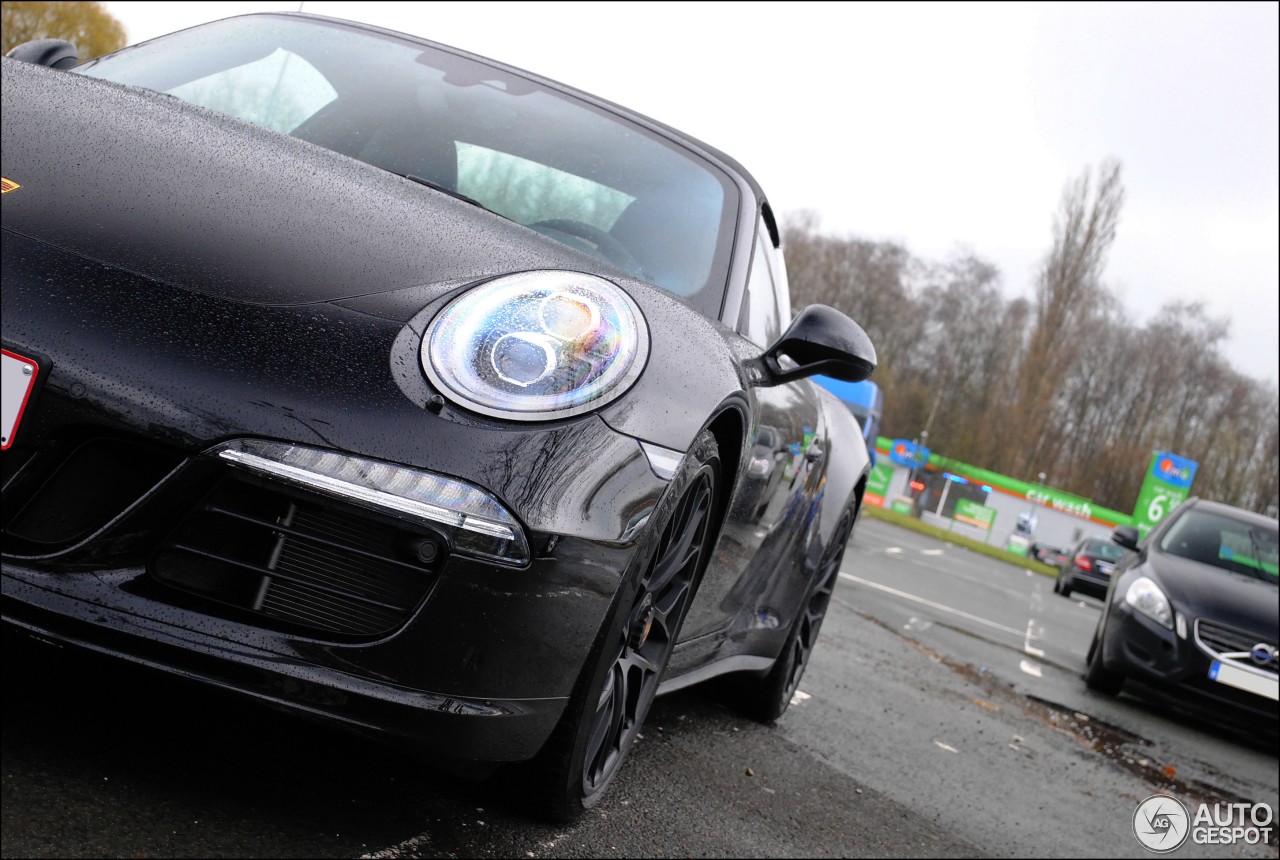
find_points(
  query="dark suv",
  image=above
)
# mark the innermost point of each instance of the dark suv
(1195, 609)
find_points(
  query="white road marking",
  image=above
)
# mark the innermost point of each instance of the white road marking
(929, 603)
(893, 550)
(931, 552)
(1033, 632)
(800, 696)
(1032, 669)
(946, 747)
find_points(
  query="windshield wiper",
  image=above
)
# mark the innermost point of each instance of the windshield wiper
(447, 190)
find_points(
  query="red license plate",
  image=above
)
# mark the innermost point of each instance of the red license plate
(18, 375)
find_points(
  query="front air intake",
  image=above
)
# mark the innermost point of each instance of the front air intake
(286, 559)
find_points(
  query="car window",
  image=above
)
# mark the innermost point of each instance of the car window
(760, 320)
(1105, 549)
(1224, 542)
(577, 172)
(279, 91)
(529, 192)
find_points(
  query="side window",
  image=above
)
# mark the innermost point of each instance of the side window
(766, 308)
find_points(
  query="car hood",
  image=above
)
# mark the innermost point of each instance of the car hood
(183, 195)
(1202, 591)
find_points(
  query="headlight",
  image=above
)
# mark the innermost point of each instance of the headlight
(1146, 597)
(536, 345)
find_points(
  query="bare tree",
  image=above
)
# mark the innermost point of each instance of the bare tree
(1068, 291)
(1067, 383)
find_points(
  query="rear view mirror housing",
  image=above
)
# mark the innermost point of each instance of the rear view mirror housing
(821, 340)
(1125, 536)
(54, 53)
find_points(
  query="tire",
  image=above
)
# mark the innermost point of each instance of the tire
(1064, 585)
(1098, 677)
(1057, 584)
(765, 698)
(620, 678)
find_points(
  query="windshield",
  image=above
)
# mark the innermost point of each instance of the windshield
(1105, 549)
(1224, 542)
(577, 173)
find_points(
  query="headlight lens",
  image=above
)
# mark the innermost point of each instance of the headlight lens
(1146, 597)
(536, 345)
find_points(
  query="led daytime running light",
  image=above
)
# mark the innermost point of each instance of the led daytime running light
(399, 490)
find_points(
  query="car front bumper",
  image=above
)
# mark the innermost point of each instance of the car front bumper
(110, 476)
(1139, 647)
(480, 673)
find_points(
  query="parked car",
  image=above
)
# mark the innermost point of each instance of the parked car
(1088, 567)
(408, 390)
(1050, 555)
(1195, 610)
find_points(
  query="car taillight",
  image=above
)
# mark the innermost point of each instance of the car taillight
(1083, 563)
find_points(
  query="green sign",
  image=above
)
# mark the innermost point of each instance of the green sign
(975, 514)
(1167, 485)
(901, 506)
(878, 484)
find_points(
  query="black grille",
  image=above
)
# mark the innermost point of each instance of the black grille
(1222, 639)
(74, 487)
(297, 560)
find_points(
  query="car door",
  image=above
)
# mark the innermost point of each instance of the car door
(765, 532)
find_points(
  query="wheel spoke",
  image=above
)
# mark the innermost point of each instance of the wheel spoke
(681, 549)
(648, 635)
(605, 734)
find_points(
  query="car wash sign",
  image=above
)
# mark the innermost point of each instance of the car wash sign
(1167, 485)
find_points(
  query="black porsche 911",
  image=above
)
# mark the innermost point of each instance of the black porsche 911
(1195, 609)
(407, 390)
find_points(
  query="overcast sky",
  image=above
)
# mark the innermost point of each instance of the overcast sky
(940, 126)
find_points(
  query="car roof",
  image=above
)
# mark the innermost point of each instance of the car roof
(1247, 516)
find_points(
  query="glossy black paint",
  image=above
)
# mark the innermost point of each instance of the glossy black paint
(54, 53)
(822, 340)
(209, 279)
(1131, 644)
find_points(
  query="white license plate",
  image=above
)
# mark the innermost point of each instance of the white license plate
(1240, 679)
(17, 380)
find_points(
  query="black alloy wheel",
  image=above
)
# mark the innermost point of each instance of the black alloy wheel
(621, 678)
(767, 698)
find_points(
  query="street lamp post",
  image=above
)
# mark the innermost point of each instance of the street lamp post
(1031, 508)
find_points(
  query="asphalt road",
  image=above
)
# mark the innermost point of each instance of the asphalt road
(943, 715)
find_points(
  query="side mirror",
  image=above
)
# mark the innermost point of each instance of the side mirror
(54, 53)
(822, 340)
(1126, 536)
